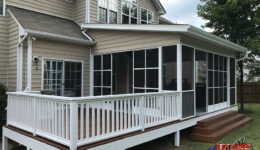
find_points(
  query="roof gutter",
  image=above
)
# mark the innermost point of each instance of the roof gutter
(59, 37)
(215, 39)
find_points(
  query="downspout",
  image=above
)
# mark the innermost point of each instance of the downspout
(243, 58)
(20, 63)
(29, 65)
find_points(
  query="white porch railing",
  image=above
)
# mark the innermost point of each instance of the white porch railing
(78, 121)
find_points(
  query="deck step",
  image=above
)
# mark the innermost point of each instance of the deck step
(217, 130)
(218, 125)
(213, 120)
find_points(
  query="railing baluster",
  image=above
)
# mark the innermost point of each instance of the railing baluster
(81, 121)
(98, 119)
(67, 121)
(128, 104)
(87, 121)
(62, 122)
(93, 119)
(103, 117)
(117, 115)
(125, 114)
(113, 116)
(121, 114)
(108, 117)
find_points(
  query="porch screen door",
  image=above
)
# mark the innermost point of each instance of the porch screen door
(65, 78)
(72, 79)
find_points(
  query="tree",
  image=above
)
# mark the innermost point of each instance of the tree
(237, 21)
(3, 103)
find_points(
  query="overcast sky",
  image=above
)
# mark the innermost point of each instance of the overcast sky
(183, 12)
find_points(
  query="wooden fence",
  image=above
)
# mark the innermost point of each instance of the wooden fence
(251, 92)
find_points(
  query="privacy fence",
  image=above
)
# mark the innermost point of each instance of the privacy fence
(251, 92)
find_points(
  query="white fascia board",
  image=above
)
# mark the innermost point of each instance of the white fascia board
(159, 6)
(185, 29)
(137, 27)
(59, 37)
(193, 31)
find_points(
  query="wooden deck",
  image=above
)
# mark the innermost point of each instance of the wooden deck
(124, 136)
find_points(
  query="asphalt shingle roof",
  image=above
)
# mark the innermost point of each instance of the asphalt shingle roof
(35, 21)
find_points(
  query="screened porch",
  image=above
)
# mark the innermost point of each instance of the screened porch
(206, 80)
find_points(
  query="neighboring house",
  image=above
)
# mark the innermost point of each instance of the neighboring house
(120, 78)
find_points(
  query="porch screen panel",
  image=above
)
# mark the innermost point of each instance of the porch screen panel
(188, 81)
(187, 104)
(145, 71)
(53, 71)
(232, 81)
(169, 68)
(1, 7)
(102, 75)
(217, 79)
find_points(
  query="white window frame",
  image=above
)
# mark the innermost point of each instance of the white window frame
(3, 10)
(108, 11)
(130, 13)
(147, 20)
(63, 63)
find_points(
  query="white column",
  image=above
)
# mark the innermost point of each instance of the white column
(4, 142)
(177, 139)
(160, 63)
(73, 125)
(21, 68)
(179, 78)
(91, 82)
(17, 69)
(29, 65)
(228, 80)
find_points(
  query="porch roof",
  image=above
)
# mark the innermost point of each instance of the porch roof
(47, 26)
(186, 29)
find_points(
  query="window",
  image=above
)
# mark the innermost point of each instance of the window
(169, 68)
(146, 71)
(53, 71)
(107, 11)
(102, 75)
(2, 7)
(129, 12)
(147, 17)
(63, 77)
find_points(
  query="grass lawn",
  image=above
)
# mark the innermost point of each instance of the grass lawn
(251, 133)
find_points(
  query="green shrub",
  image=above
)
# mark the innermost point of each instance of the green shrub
(3, 103)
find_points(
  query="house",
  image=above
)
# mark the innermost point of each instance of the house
(119, 78)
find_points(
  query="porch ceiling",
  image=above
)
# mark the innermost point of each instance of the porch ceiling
(186, 29)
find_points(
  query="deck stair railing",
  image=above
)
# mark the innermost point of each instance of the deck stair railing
(78, 121)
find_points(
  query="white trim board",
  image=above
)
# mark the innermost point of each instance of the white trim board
(154, 134)
(26, 141)
(178, 28)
